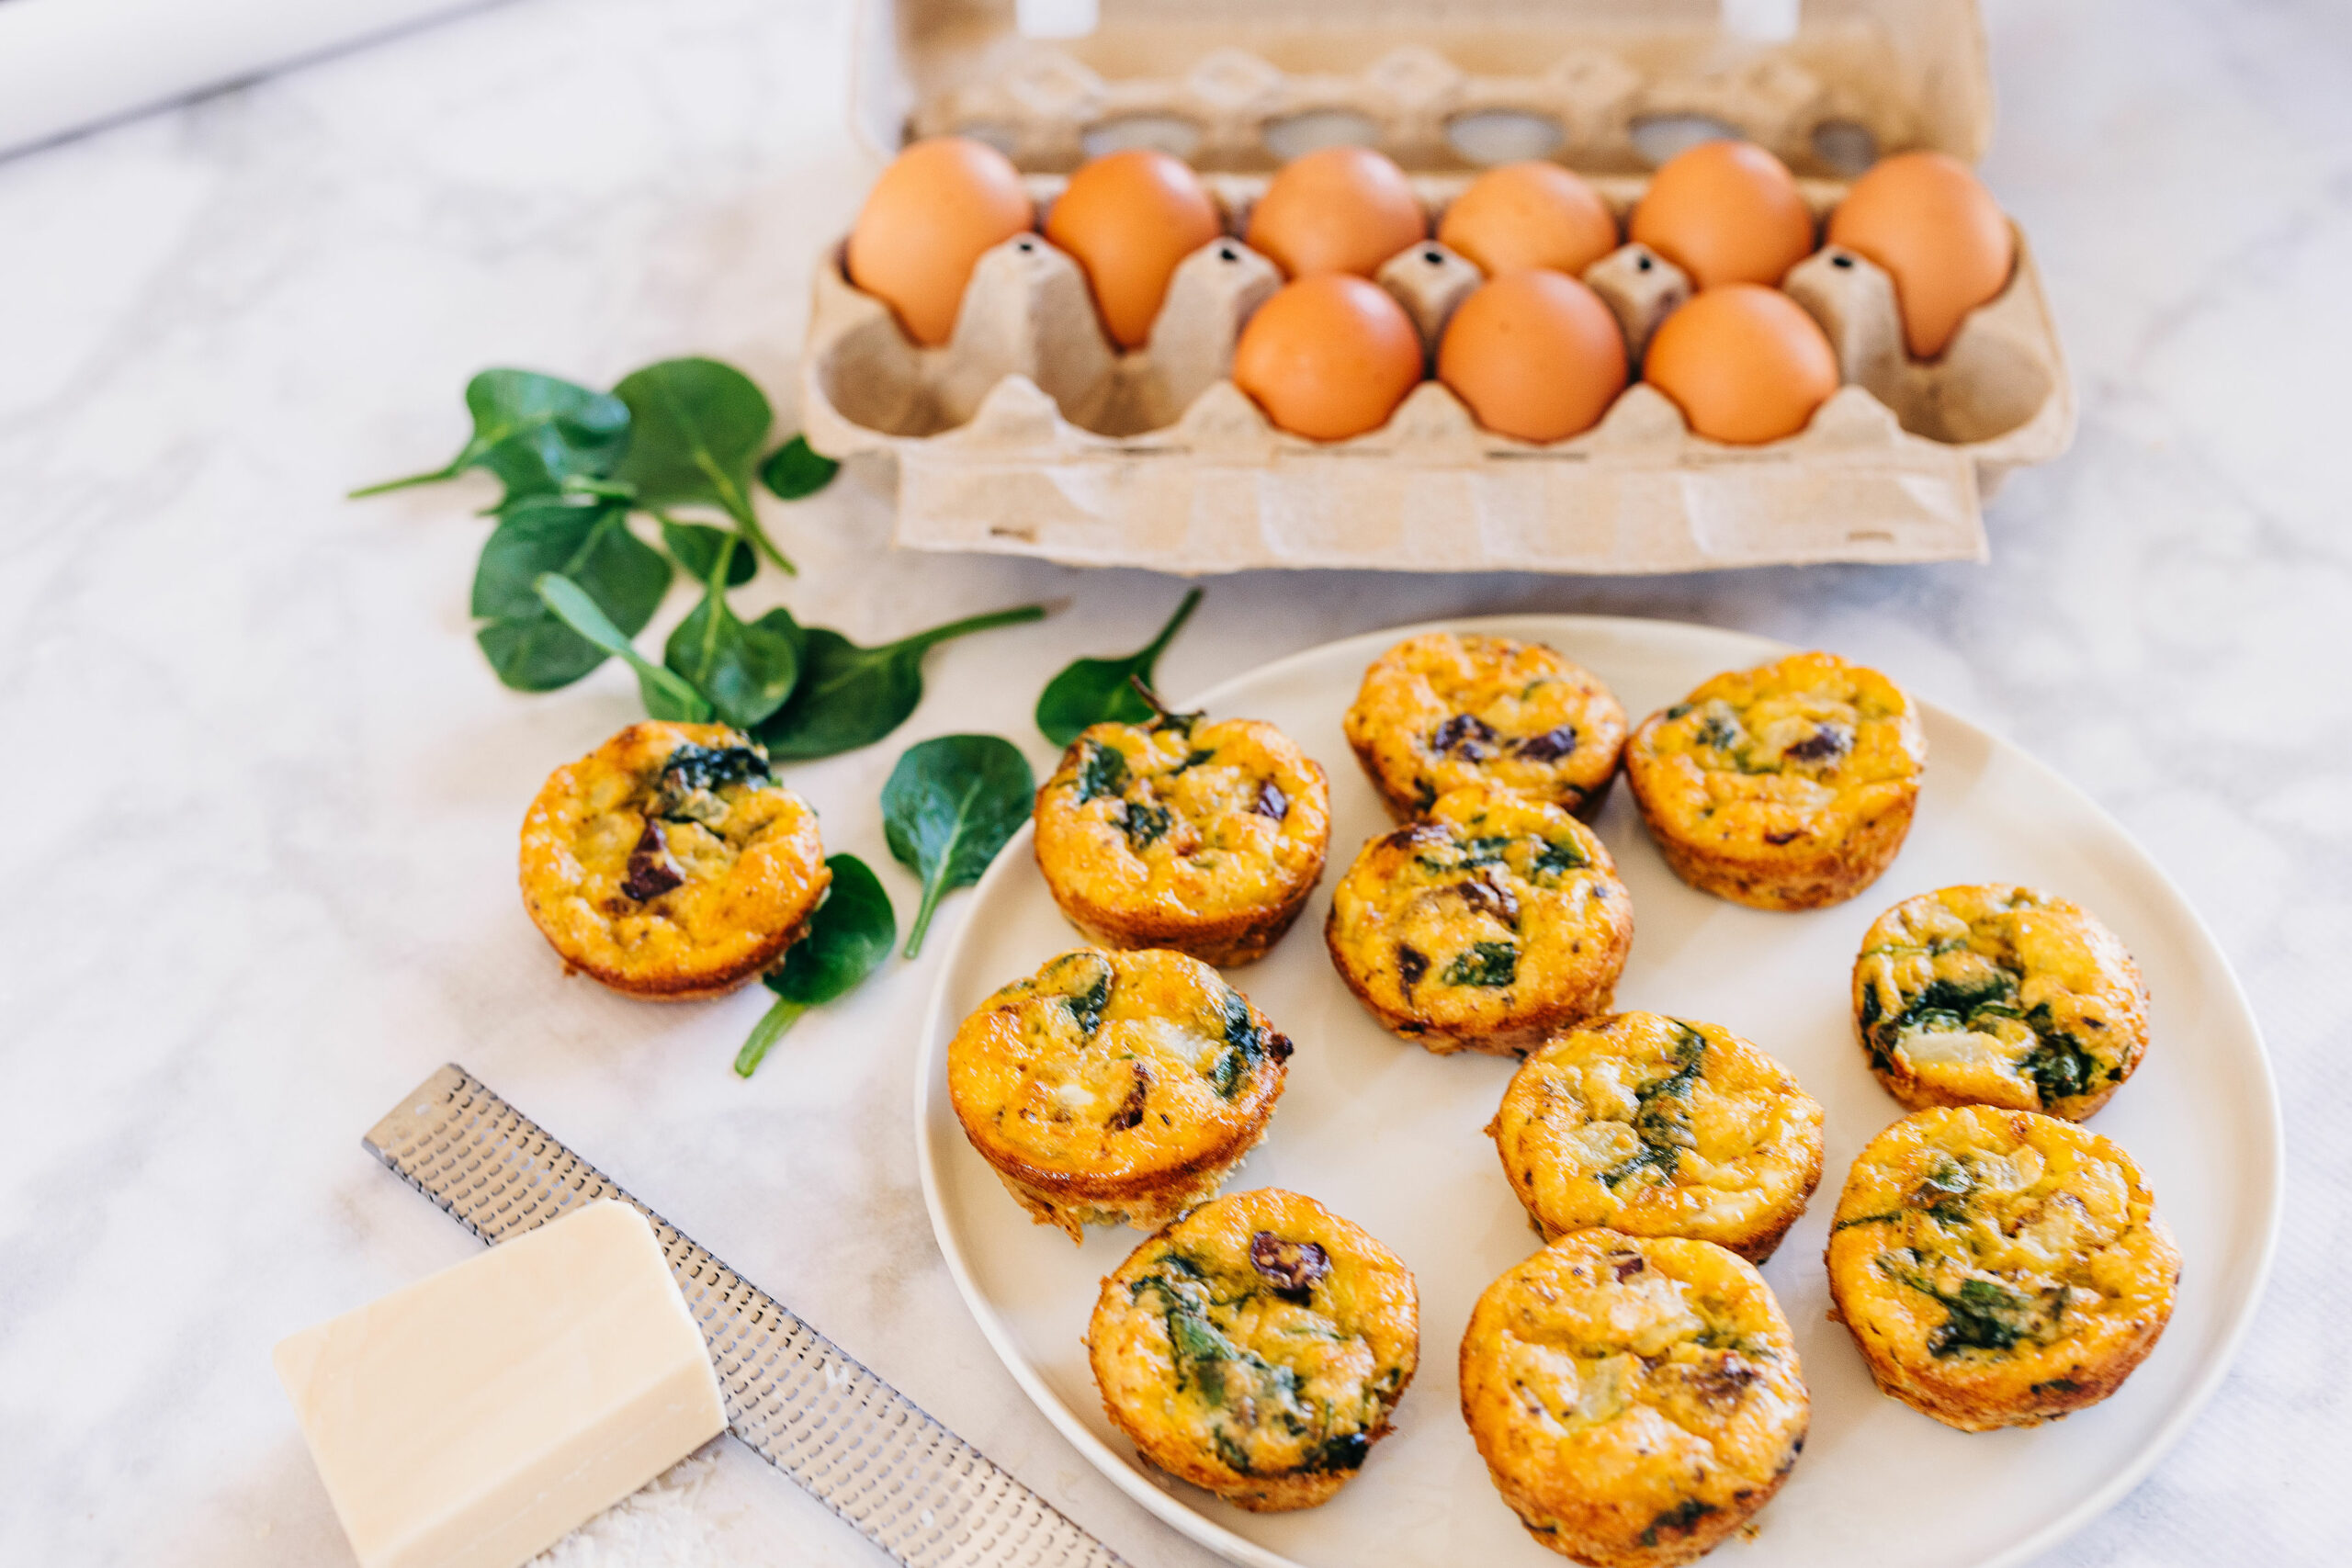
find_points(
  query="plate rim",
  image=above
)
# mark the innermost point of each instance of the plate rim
(1185, 1520)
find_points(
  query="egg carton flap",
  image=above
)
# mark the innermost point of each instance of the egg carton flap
(1244, 84)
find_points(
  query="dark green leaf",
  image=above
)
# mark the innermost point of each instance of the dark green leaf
(534, 432)
(1097, 690)
(696, 428)
(666, 697)
(796, 470)
(696, 548)
(850, 935)
(850, 696)
(950, 804)
(747, 671)
(1489, 963)
(590, 545)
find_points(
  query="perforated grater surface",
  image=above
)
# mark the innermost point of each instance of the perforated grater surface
(859, 1446)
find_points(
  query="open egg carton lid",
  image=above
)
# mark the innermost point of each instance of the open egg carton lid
(1028, 434)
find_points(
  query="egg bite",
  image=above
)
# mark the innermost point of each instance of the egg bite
(1788, 787)
(1440, 712)
(1256, 1348)
(1204, 838)
(1637, 1399)
(1999, 1268)
(1116, 1087)
(1486, 926)
(670, 862)
(1655, 1127)
(1998, 994)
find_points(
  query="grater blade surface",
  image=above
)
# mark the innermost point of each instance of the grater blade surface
(859, 1446)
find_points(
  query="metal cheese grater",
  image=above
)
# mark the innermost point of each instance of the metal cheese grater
(859, 1446)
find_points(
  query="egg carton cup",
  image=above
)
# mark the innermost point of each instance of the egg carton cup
(1028, 432)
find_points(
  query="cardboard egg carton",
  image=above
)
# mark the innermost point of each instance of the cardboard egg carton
(1029, 433)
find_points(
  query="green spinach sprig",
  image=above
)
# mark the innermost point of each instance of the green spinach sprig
(1104, 690)
(949, 807)
(849, 936)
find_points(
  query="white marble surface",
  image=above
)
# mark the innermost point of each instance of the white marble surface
(263, 882)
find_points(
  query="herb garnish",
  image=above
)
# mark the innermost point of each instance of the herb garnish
(1096, 691)
(849, 936)
(949, 805)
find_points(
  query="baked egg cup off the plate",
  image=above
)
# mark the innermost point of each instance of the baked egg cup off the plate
(1116, 1087)
(1206, 839)
(1256, 1348)
(1440, 712)
(1999, 1268)
(1998, 994)
(1486, 925)
(1790, 786)
(1637, 1399)
(1660, 1127)
(670, 862)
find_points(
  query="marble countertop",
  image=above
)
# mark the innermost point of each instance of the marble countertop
(287, 898)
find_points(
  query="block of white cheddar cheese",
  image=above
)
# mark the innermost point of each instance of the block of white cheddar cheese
(473, 1418)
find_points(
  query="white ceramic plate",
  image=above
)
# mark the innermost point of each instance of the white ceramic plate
(1389, 1136)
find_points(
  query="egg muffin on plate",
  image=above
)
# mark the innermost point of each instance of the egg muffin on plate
(1116, 1087)
(1637, 1399)
(1655, 1127)
(1785, 787)
(1440, 712)
(1998, 994)
(670, 862)
(1204, 838)
(1256, 1348)
(1493, 921)
(1999, 1268)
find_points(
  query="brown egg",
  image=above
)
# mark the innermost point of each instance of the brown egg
(1535, 354)
(1933, 226)
(940, 205)
(1330, 356)
(1530, 214)
(1744, 363)
(1725, 212)
(1129, 218)
(1340, 209)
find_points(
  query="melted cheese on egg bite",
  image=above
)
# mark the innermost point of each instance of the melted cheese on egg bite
(670, 862)
(1999, 1268)
(1487, 926)
(1204, 838)
(1257, 1347)
(1790, 786)
(1115, 1087)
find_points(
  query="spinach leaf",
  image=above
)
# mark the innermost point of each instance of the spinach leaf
(849, 936)
(666, 697)
(1662, 1115)
(697, 427)
(1146, 824)
(796, 470)
(850, 696)
(746, 671)
(696, 548)
(588, 543)
(950, 804)
(1096, 691)
(1103, 770)
(1554, 859)
(1490, 964)
(533, 432)
(2058, 1065)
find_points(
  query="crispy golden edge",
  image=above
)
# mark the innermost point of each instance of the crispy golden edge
(1226, 942)
(1150, 1199)
(677, 983)
(1702, 1536)
(1962, 1407)
(1914, 1095)
(1515, 1038)
(1840, 870)
(1254, 1493)
(1756, 1243)
(1151, 1205)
